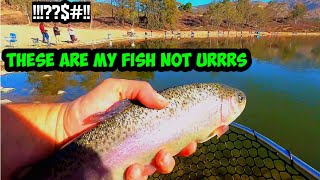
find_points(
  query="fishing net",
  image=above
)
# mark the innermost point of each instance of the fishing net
(236, 155)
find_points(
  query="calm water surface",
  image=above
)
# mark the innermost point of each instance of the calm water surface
(282, 86)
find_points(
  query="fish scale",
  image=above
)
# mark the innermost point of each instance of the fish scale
(137, 133)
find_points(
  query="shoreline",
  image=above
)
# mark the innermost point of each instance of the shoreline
(100, 35)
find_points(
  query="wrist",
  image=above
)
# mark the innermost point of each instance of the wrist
(58, 112)
(71, 118)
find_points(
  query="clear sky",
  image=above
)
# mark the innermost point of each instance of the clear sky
(201, 2)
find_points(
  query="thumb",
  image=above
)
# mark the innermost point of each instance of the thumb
(112, 90)
(143, 92)
(107, 94)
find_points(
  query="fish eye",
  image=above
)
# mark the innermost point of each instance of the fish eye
(241, 97)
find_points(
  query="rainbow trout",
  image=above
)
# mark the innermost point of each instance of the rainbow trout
(196, 112)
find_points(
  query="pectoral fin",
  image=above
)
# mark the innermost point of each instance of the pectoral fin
(217, 132)
(221, 130)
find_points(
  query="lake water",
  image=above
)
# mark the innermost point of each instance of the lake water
(282, 86)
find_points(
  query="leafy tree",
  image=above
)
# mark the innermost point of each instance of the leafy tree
(244, 11)
(153, 13)
(215, 14)
(160, 12)
(95, 11)
(170, 12)
(220, 12)
(259, 16)
(298, 11)
(229, 12)
(186, 7)
(144, 6)
(133, 13)
(122, 13)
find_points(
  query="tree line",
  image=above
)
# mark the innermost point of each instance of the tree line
(243, 13)
(231, 13)
(159, 14)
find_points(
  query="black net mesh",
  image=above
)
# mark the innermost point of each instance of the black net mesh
(236, 155)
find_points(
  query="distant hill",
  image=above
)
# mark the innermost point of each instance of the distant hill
(310, 4)
(314, 14)
(204, 6)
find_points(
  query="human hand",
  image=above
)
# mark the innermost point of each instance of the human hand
(103, 97)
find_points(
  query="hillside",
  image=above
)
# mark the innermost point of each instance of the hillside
(310, 4)
(187, 21)
(313, 14)
(313, 6)
(205, 6)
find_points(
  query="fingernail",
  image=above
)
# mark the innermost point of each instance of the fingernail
(161, 98)
(136, 173)
(167, 158)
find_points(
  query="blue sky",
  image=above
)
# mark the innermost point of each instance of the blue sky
(201, 2)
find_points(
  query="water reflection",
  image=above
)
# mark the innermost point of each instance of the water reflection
(282, 85)
(51, 84)
(297, 53)
(46, 85)
(266, 48)
(145, 76)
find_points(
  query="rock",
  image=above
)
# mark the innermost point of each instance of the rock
(47, 75)
(7, 90)
(5, 101)
(61, 92)
(33, 90)
(24, 89)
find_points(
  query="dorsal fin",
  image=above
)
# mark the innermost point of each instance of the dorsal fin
(115, 109)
